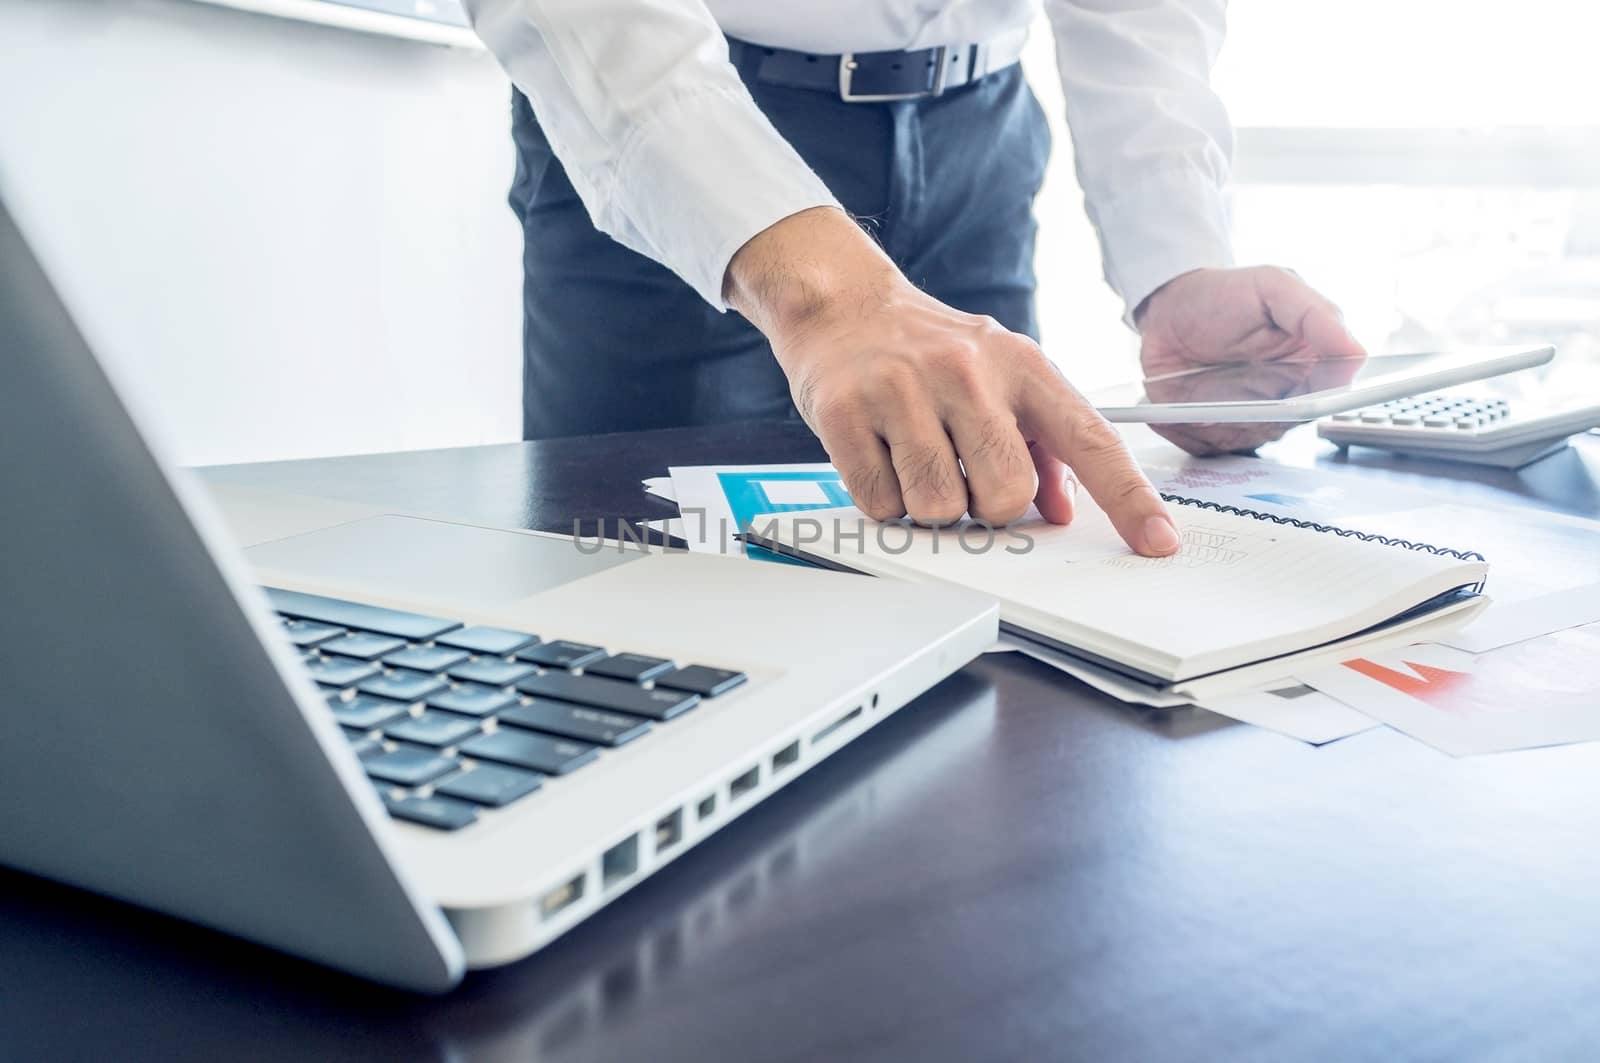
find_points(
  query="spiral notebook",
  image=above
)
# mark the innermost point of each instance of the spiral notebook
(1246, 586)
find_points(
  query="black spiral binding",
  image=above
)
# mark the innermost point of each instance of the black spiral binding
(1347, 533)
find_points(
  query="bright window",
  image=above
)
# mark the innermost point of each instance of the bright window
(1432, 165)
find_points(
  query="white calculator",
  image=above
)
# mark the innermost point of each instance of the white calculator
(1467, 426)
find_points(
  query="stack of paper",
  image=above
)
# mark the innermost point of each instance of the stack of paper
(1546, 587)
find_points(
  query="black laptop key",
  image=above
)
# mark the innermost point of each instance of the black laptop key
(561, 654)
(362, 645)
(425, 658)
(491, 671)
(491, 641)
(698, 679)
(408, 766)
(472, 700)
(304, 633)
(524, 749)
(365, 712)
(613, 694)
(577, 721)
(444, 813)
(433, 728)
(412, 626)
(489, 784)
(340, 671)
(402, 685)
(634, 667)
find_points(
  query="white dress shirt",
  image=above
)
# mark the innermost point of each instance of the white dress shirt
(673, 159)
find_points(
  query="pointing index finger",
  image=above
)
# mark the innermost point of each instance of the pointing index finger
(1064, 424)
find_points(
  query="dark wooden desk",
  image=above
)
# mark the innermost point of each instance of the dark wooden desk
(1015, 868)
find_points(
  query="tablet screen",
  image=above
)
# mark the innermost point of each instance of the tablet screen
(1262, 380)
(1296, 382)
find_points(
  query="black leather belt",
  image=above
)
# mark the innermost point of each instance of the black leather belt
(871, 77)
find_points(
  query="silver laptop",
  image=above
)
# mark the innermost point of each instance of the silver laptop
(427, 747)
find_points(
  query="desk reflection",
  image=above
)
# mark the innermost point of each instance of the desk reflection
(173, 991)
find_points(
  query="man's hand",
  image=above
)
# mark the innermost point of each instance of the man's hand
(1262, 315)
(926, 410)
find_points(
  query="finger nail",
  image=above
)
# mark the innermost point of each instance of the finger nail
(1160, 537)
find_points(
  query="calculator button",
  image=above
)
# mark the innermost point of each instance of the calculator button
(1466, 422)
(1350, 416)
(1437, 420)
(1405, 419)
(1374, 416)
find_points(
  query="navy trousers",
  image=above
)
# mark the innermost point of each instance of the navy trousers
(615, 342)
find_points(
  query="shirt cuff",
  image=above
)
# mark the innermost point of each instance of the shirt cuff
(704, 174)
(1161, 225)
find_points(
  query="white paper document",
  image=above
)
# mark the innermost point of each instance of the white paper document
(1287, 706)
(1544, 568)
(1545, 691)
(1293, 709)
(660, 487)
(1322, 494)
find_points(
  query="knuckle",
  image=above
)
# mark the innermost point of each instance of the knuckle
(1131, 485)
(924, 469)
(893, 378)
(964, 366)
(986, 325)
(1095, 439)
(1004, 505)
(1030, 358)
(995, 438)
(929, 511)
(871, 486)
(833, 415)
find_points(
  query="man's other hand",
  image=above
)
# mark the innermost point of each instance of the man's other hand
(923, 409)
(1263, 315)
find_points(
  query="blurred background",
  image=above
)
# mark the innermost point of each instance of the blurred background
(1432, 165)
(304, 223)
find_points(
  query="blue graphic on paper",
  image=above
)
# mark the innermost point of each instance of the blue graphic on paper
(1286, 501)
(749, 496)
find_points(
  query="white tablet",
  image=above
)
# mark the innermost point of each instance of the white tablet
(1303, 390)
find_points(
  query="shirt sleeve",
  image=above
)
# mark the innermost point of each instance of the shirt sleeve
(660, 138)
(1152, 141)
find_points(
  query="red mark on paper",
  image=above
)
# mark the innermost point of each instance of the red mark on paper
(1439, 687)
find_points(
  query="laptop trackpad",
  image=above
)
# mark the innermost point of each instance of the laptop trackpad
(414, 558)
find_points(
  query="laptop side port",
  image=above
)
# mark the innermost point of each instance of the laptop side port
(619, 861)
(786, 756)
(706, 808)
(836, 724)
(561, 898)
(744, 783)
(669, 830)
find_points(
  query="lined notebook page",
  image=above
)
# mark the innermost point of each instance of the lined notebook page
(1235, 582)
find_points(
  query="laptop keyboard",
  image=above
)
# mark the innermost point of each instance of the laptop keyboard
(449, 719)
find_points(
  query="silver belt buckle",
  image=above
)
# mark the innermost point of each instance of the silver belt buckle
(847, 69)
